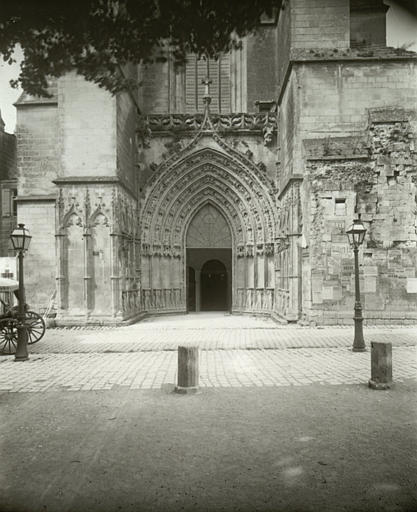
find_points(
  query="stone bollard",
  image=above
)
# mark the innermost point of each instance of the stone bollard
(188, 377)
(381, 365)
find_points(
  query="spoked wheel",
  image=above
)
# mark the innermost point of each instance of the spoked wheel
(8, 335)
(35, 326)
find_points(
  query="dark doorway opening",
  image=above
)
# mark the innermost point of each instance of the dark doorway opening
(190, 289)
(214, 286)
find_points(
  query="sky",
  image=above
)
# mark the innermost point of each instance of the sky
(401, 30)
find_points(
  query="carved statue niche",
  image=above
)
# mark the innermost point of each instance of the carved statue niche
(100, 263)
(72, 294)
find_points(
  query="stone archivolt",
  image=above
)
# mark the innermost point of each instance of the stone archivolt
(206, 175)
(238, 189)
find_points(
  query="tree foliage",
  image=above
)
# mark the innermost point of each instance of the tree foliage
(96, 38)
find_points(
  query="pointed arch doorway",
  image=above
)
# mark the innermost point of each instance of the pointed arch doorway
(209, 261)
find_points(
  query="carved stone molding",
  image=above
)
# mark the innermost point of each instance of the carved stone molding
(241, 122)
(178, 191)
(107, 237)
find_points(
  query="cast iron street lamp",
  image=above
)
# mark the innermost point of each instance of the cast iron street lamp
(356, 235)
(21, 240)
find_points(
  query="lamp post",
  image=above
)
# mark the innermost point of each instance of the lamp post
(356, 235)
(21, 240)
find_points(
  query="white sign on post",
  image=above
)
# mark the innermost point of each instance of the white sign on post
(8, 267)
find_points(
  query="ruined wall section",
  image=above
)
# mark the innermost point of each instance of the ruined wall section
(329, 98)
(375, 177)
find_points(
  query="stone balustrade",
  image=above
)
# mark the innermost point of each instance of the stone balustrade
(164, 299)
(255, 299)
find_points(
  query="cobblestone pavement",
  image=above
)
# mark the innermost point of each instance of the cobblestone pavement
(225, 368)
(211, 331)
(235, 352)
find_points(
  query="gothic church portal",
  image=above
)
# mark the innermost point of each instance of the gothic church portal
(229, 184)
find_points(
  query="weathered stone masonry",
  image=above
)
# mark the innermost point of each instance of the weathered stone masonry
(262, 170)
(374, 175)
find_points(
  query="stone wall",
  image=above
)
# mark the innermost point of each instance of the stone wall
(37, 133)
(284, 43)
(335, 96)
(236, 86)
(76, 163)
(328, 117)
(127, 119)
(378, 182)
(7, 154)
(98, 253)
(87, 128)
(262, 72)
(40, 266)
(319, 23)
(153, 92)
(288, 122)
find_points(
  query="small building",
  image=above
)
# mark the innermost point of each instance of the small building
(8, 189)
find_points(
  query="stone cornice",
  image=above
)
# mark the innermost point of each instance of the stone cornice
(93, 180)
(256, 123)
(344, 55)
(36, 199)
(336, 148)
(72, 180)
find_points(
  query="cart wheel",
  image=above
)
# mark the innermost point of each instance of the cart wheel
(35, 326)
(8, 335)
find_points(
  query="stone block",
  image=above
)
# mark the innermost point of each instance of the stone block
(317, 298)
(327, 293)
(188, 370)
(369, 284)
(381, 365)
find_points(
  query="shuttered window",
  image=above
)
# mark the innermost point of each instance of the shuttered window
(5, 202)
(218, 71)
(8, 204)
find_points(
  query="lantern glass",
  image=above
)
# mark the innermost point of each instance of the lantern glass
(356, 233)
(20, 238)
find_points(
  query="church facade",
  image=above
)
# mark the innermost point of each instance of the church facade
(229, 184)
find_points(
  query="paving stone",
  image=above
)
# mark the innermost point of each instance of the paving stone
(230, 368)
(143, 356)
